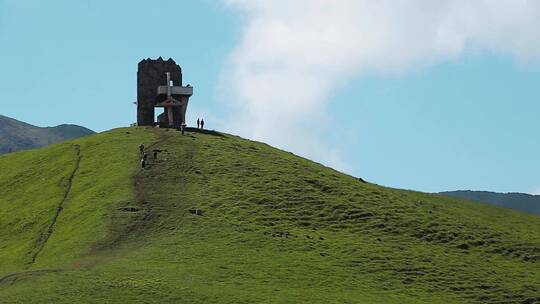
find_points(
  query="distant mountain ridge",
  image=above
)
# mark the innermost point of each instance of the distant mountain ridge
(517, 201)
(17, 135)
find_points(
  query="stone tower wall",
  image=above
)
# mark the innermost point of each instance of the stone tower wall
(151, 74)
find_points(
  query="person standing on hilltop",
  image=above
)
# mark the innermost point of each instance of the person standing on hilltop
(202, 123)
(198, 124)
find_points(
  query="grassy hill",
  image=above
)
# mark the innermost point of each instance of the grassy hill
(517, 201)
(16, 135)
(81, 223)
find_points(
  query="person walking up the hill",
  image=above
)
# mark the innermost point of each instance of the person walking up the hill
(198, 124)
(143, 163)
(141, 149)
(202, 123)
(155, 152)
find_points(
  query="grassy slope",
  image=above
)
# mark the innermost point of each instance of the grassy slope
(275, 228)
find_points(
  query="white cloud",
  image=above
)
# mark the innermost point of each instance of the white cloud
(536, 191)
(293, 54)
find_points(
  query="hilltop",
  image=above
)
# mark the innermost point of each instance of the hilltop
(220, 219)
(17, 135)
(517, 201)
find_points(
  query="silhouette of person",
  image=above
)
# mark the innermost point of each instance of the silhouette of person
(198, 124)
(202, 123)
(141, 148)
(155, 152)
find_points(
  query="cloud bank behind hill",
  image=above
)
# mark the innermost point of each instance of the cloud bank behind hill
(293, 54)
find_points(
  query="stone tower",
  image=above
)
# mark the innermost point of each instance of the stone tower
(153, 90)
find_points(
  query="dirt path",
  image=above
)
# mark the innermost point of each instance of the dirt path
(11, 278)
(141, 212)
(44, 236)
(148, 182)
(149, 209)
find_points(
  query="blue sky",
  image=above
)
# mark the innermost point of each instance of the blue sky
(450, 116)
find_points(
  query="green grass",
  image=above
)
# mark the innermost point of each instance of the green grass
(275, 228)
